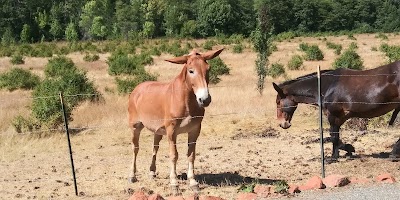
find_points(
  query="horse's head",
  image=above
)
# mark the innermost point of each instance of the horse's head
(196, 71)
(285, 107)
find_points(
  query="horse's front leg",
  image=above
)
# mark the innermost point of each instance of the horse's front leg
(173, 155)
(191, 154)
(334, 132)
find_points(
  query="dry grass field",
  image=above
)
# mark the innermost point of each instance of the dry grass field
(240, 140)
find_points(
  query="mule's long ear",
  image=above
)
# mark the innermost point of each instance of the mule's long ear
(211, 54)
(178, 60)
(279, 90)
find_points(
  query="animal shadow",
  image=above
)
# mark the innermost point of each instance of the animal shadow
(228, 178)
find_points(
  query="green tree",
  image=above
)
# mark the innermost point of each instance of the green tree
(56, 29)
(26, 34)
(70, 33)
(98, 29)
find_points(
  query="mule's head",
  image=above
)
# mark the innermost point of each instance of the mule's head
(285, 107)
(196, 71)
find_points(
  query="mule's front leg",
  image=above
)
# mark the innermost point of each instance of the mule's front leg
(156, 146)
(334, 132)
(395, 154)
(191, 154)
(173, 155)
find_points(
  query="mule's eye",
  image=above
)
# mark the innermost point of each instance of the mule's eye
(191, 71)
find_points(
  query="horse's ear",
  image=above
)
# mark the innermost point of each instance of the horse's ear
(279, 90)
(211, 54)
(178, 60)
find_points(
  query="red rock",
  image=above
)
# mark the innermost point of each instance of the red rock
(176, 198)
(247, 196)
(210, 198)
(313, 183)
(355, 180)
(139, 195)
(386, 178)
(335, 180)
(263, 190)
(155, 197)
(293, 189)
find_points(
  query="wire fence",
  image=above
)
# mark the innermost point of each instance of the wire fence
(241, 113)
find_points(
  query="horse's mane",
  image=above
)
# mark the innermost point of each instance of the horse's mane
(307, 76)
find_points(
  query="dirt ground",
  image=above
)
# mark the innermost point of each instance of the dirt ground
(240, 140)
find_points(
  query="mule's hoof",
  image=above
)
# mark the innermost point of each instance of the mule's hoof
(152, 175)
(175, 190)
(132, 179)
(349, 156)
(394, 158)
(195, 188)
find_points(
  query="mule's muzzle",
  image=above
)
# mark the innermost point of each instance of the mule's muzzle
(285, 125)
(204, 102)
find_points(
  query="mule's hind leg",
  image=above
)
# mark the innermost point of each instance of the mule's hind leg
(394, 115)
(156, 146)
(136, 128)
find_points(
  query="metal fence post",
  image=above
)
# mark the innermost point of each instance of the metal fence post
(69, 142)
(321, 131)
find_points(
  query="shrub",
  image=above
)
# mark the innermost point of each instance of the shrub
(18, 78)
(17, 59)
(24, 49)
(91, 57)
(73, 84)
(217, 68)
(43, 50)
(392, 52)
(121, 63)
(125, 86)
(58, 66)
(382, 36)
(175, 49)
(303, 46)
(22, 124)
(276, 70)
(295, 62)
(351, 36)
(286, 36)
(336, 47)
(313, 53)
(208, 45)
(281, 186)
(353, 46)
(349, 59)
(238, 48)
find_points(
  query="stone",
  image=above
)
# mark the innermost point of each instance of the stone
(263, 190)
(336, 180)
(138, 195)
(155, 197)
(313, 183)
(247, 196)
(385, 178)
(293, 189)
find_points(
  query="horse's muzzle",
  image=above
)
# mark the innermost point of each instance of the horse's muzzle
(285, 125)
(204, 102)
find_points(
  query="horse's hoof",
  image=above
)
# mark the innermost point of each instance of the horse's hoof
(132, 179)
(331, 160)
(394, 158)
(349, 156)
(175, 190)
(195, 188)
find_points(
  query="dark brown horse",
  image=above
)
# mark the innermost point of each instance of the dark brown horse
(345, 94)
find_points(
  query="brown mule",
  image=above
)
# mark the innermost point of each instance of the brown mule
(170, 109)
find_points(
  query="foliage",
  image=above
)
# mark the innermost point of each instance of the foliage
(22, 124)
(349, 59)
(238, 48)
(25, 34)
(295, 62)
(217, 68)
(122, 63)
(91, 57)
(71, 82)
(208, 45)
(337, 47)
(17, 59)
(392, 52)
(18, 78)
(124, 86)
(382, 36)
(353, 46)
(312, 52)
(71, 33)
(247, 187)
(276, 70)
(281, 186)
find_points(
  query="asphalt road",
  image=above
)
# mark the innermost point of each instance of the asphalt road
(369, 192)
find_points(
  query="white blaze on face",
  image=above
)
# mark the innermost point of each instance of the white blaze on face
(201, 95)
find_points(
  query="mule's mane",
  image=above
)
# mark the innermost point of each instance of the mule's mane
(307, 76)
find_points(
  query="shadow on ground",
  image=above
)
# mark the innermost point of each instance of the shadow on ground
(228, 178)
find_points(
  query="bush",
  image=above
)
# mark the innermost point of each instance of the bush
(353, 46)
(392, 52)
(44, 50)
(22, 124)
(91, 57)
(349, 59)
(281, 186)
(18, 78)
(217, 68)
(337, 47)
(17, 59)
(46, 107)
(125, 86)
(120, 63)
(276, 70)
(208, 45)
(58, 66)
(238, 48)
(313, 53)
(295, 62)
(382, 36)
